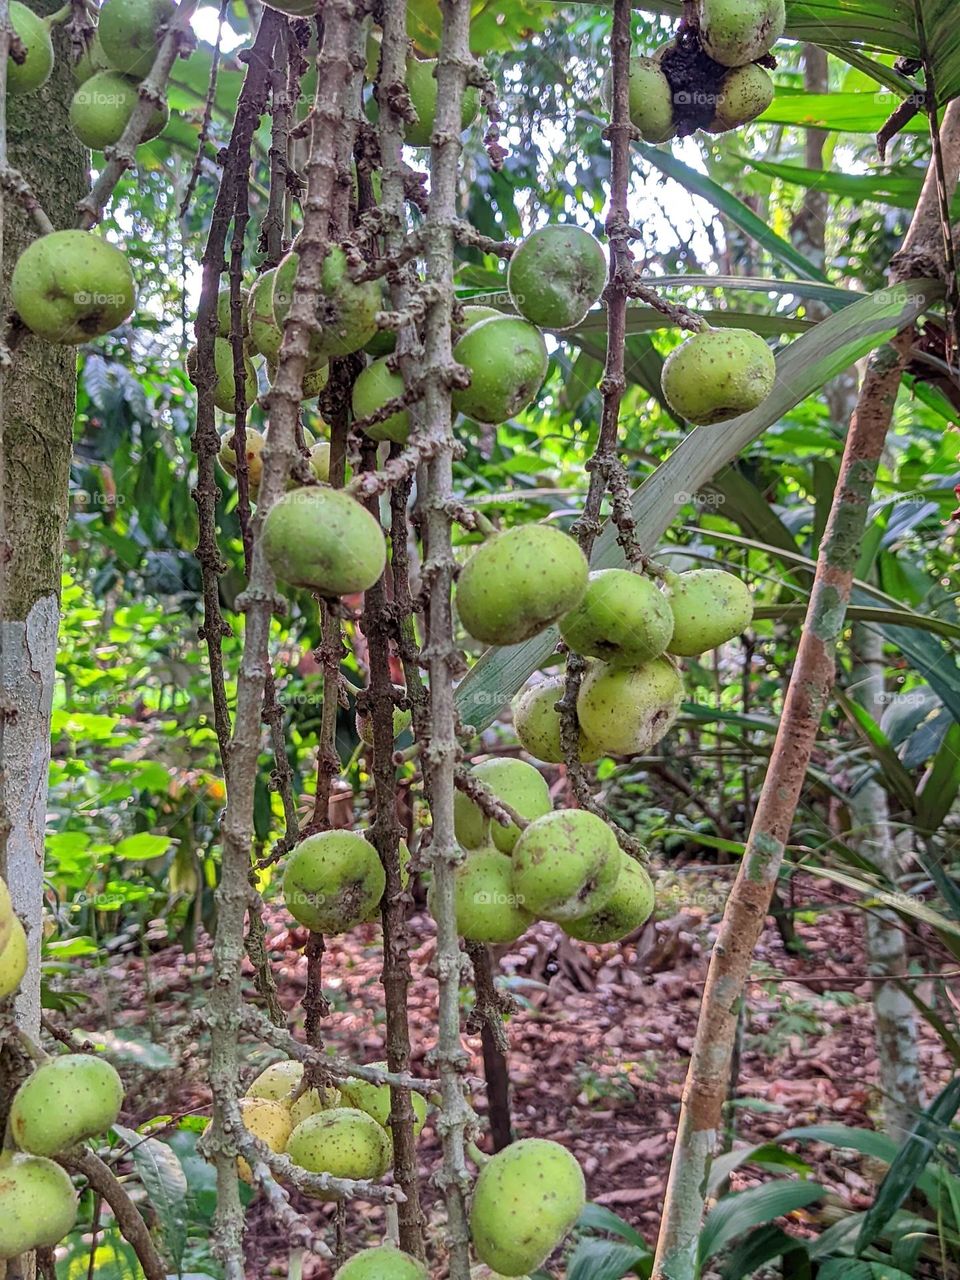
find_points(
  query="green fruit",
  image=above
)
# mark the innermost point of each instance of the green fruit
(333, 881)
(537, 722)
(344, 1142)
(224, 316)
(385, 1263)
(92, 60)
(227, 457)
(315, 378)
(484, 1273)
(518, 785)
(401, 723)
(278, 1082)
(527, 1198)
(374, 1101)
(13, 959)
(746, 92)
(735, 32)
(556, 275)
(507, 361)
(517, 583)
(626, 710)
(403, 856)
(565, 865)
(323, 539)
(718, 374)
(320, 461)
(7, 916)
(710, 606)
(267, 1120)
(422, 86)
(375, 385)
(623, 618)
(651, 99)
(38, 1205)
(265, 334)
(312, 1102)
(131, 31)
(295, 8)
(473, 315)
(24, 77)
(628, 907)
(66, 1099)
(71, 286)
(102, 106)
(488, 907)
(225, 389)
(346, 310)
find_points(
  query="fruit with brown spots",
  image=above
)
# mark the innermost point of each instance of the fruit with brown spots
(225, 387)
(279, 1083)
(623, 618)
(651, 99)
(324, 539)
(507, 360)
(710, 607)
(537, 722)
(718, 374)
(345, 308)
(628, 907)
(488, 907)
(518, 785)
(745, 93)
(556, 275)
(38, 1205)
(565, 865)
(377, 384)
(735, 32)
(383, 1263)
(71, 286)
(67, 1099)
(267, 1120)
(374, 1100)
(344, 1142)
(625, 710)
(254, 442)
(333, 881)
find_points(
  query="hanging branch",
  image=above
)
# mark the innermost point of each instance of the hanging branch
(207, 112)
(806, 699)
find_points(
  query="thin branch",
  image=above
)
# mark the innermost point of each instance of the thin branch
(132, 1226)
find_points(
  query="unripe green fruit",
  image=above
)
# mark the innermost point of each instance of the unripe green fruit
(333, 881)
(312, 1102)
(385, 1263)
(423, 89)
(623, 618)
(92, 60)
(102, 106)
(38, 1205)
(628, 907)
(66, 1099)
(403, 857)
(224, 316)
(518, 582)
(295, 8)
(225, 389)
(651, 99)
(320, 461)
(735, 32)
(556, 275)
(374, 1101)
(537, 722)
(71, 286)
(746, 93)
(267, 1120)
(565, 865)
(488, 907)
(507, 361)
(473, 315)
(346, 309)
(323, 539)
(34, 35)
(401, 723)
(518, 785)
(718, 374)
(130, 33)
(710, 606)
(13, 959)
(227, 457)
(375, 385)
(265, 334)
(315, 378)
(527, 1198)
(626, 710)
(344, 1142)
(7, 915)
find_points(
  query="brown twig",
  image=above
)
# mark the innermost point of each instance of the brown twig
(132, 1226)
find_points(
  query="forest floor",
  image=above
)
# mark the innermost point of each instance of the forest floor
(599, 1047)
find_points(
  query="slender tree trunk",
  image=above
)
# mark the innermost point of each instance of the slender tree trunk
(806, 699)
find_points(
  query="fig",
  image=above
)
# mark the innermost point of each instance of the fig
(507, 360)
(622, 618)
(67, 1099)
(422, 87)
(626, 710)
(556, 275)
(375, 385)
(279, 1083)
(320, 460)
(401, 723)
(374, 1101)
(71, 286)
(565, 865)
(227, 457)
(295, 8)
(488, 907)
(38, 1205)
(344, 1142)
(102, 106)
(333, 880)
(13, 959)
(311, 1102)
(526, 1199)
(265, 334)
(7, 916)
(224, 313)
(718, 374)
(628, 907)
(346, 309)
(225, 389)
(735, 32)
(517, 784)
(710, 606)
(745, 93)
(473, 314)
(537, 722)
(323, 539)
(92, 60)
(651, 99)
(130, 33)
(384, 1263)
(315, 378)
(267, 1120)
(518, 582)
(34, 33)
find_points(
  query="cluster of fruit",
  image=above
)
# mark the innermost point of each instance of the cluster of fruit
(65, 1101)
(13, 946)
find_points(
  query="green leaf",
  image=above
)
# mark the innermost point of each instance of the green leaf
(904, 903)
(834, 297)
(165, 1183)
(899, 186)
(763, 1245)
(942, 783)
(895, 777)
(595, 1217)
(594, 1259)
(741, 1211)
(143, 846)
(846, 112)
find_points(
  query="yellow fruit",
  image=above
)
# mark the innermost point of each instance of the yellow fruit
(270, 1122)
(622, 618)
(627, 710)
(254, 441)
(67, 1099)
(312, 1102)
(710, 606)
(718, 374)
(517, 784)
(565, 865)
(344, 1142)
(628, 907)
(333, 881)
(537, 722)
(38, 1205)
(324, 539)
(13, 959)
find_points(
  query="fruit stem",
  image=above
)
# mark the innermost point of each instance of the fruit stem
(485, 526)
(479, 1158)
(60, 16)
(295, 1265)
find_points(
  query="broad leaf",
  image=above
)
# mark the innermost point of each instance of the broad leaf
(741, 1211)
(166, 1186)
